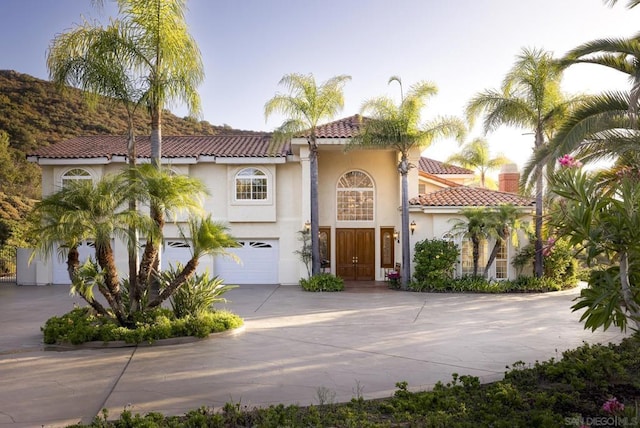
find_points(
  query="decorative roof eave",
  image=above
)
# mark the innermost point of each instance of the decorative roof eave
(457, 209)
(297, 141)
(229, 160)
(42, 160)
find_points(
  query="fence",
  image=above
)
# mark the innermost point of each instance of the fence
(8, 264)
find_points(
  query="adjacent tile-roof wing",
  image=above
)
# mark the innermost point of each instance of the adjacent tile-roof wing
(432, 166)
(465, 196)
(222, 145)
(342, 128)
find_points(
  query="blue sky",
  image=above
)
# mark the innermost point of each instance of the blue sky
(463, 46)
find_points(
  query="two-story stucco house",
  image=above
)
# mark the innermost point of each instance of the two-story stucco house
(260, 188)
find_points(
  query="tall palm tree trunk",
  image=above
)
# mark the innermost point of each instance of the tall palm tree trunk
(403, 167)
(134, 290)
(104, 255)
(538, 260)
(475, 242)
(315, 208)
(494, 251)
(150, 258)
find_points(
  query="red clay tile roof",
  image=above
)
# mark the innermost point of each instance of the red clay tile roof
(342, 128)
(436, 167)
(465, 196)
(230, 145)
(439, 179)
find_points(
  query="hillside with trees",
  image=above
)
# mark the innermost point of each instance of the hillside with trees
(35, 113)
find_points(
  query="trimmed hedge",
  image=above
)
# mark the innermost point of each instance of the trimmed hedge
(479, 284)
(83, 325)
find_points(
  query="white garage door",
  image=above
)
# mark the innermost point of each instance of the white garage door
(60, 273)
(259, 263)
(175, 251)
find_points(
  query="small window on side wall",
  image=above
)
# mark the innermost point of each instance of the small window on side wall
(387, 247)
(251, 185)
(75, 174)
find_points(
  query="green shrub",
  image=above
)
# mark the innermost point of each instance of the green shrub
(434, 262)
(479, 284)
(560, 263)
(198, 294)
(322, 282)
(82, 325)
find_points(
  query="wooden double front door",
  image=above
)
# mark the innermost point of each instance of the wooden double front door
(355, 254)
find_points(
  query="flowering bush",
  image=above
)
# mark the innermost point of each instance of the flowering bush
(568, 161)
(613, 406)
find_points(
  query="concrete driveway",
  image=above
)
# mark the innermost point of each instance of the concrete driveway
(296, 348)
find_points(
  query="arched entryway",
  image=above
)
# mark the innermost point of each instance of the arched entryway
(355, 244)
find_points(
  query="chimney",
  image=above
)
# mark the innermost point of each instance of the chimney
(509, 178)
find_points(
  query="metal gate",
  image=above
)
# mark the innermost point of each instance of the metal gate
(8, 264)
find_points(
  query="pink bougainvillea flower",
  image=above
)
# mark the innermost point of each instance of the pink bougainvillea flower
(613, 406)
(568, 161)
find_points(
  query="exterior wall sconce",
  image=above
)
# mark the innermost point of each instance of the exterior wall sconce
(307, 226)
(412, 226)
(396, 236)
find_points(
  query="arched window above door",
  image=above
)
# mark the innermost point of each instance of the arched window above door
(355, 194)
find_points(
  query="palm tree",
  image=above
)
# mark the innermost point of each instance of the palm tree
(630, 4)
(84, 210)
(91, 58)
(163, 53)
(472, 227)
(207, 238)
(305, 105)
(530, 97)
(597, 129)
(503, 223)
(475, 155)
(146, 57)
(171, 194)
(615, 53)
(606, 126)
(398, 127)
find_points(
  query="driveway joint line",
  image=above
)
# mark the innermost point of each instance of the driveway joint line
(112, 388)
(386, 355)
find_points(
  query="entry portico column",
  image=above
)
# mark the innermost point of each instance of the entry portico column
(305, 188)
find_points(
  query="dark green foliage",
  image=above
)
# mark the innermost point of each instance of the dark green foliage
(322, 282)
(434, 262)
(554, 393)
(602, 300)
(33, 113)
(560, 263)
(197, 295)
(5, 232)
(81, 325)
(479, 284)
(13, 212)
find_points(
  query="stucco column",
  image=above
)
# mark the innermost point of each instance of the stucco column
(305, 194)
